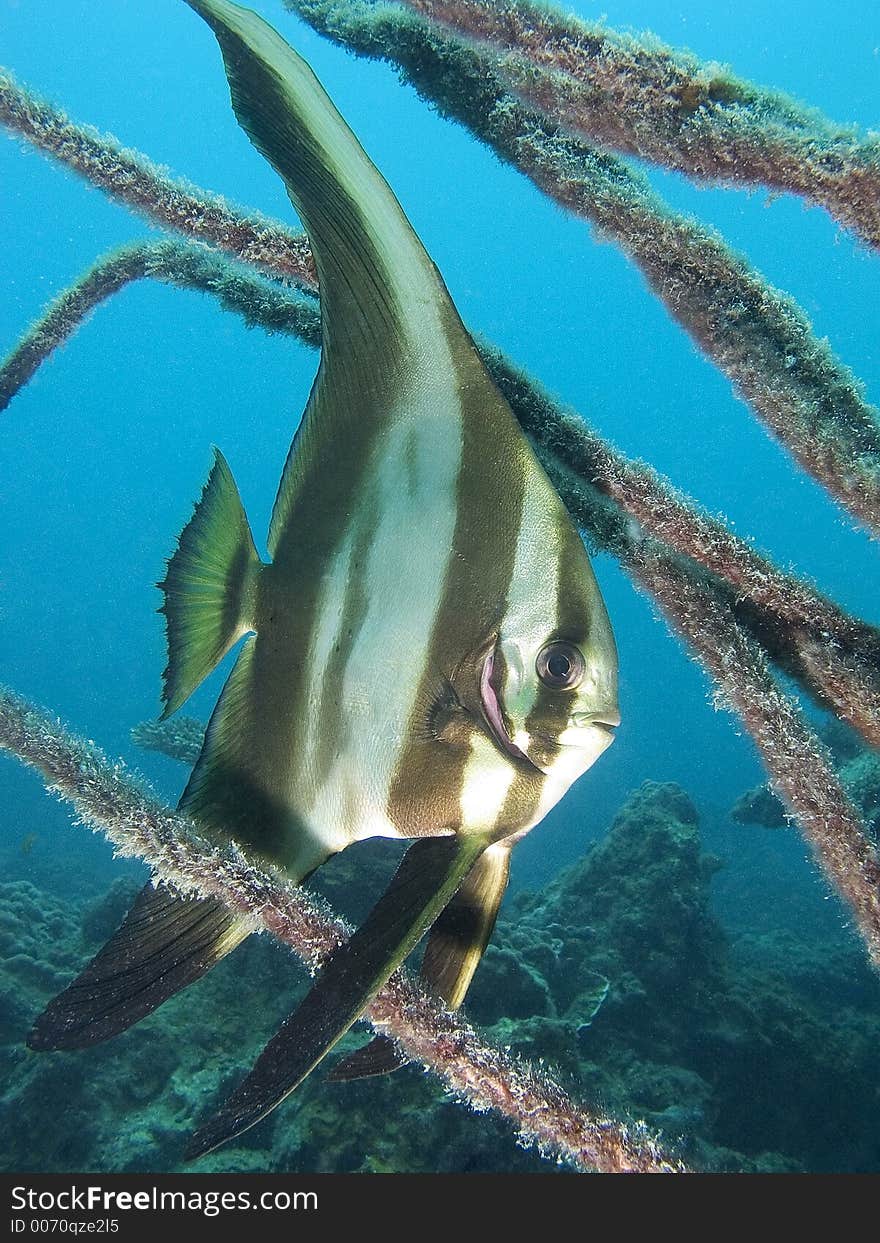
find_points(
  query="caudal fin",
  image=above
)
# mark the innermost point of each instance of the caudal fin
(164, 943)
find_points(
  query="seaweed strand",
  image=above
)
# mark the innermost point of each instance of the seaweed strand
(799, 766)
(740, 613)
(237, 289)
(639, 97)
(834, 656)
(130, 178)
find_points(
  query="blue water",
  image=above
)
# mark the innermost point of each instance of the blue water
(103, 454)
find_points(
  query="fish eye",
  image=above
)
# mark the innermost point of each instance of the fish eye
(560, 665)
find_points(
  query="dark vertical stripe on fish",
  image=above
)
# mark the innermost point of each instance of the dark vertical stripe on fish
(428, 783)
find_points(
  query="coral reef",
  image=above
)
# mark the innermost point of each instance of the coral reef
(729, 1045)
(757, 1053)
(633, 912)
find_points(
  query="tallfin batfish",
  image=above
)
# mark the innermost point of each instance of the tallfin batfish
(425, 653)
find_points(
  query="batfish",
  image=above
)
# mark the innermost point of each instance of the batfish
(425, 654)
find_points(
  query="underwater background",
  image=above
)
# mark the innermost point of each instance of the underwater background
(665, 958)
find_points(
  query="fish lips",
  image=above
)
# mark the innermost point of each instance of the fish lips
(493, 714)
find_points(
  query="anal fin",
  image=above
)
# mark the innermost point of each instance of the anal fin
(428, 876)
(164, 943)
(455, 947)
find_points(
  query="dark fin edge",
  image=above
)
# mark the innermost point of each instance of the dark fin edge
(165, 943)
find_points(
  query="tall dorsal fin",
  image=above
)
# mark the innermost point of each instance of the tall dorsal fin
(372, 268)
(388, 323)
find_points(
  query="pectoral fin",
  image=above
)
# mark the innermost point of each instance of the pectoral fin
(208, 587)
(455, 947)
(164, 943)
(426, 880)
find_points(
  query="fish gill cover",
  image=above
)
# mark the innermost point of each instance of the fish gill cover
(75, 494)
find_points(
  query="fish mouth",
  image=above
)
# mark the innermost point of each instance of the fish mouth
(585, 726)
(607, 721)
(493, 715)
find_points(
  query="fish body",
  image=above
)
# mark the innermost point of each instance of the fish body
(426, 653)
(414, 531)
(358, 708)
